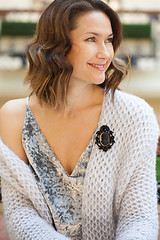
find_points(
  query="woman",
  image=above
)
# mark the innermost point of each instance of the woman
(80, 156)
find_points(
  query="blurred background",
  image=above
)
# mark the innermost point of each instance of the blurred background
(141, 26)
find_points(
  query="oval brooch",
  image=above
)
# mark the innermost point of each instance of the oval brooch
(104, 138)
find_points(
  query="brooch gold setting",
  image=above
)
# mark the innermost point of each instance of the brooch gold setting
(105, 138)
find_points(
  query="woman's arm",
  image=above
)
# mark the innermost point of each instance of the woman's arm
(138, 217)
(22, 220)
(26, 213)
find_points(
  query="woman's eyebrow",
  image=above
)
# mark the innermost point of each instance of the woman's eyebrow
(97, 34)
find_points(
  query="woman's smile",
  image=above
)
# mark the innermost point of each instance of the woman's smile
(100, 67)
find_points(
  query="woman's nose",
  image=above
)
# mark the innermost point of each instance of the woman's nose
(103, 52)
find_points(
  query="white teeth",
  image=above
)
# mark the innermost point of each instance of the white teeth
(95, 65)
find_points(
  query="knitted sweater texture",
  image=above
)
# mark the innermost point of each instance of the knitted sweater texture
(119, 193)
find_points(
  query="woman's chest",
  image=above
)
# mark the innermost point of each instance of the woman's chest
(68, 137)
(69, 140)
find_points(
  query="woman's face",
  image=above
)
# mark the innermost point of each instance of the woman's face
(92, 50)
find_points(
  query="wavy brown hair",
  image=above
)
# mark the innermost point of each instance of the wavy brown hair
(49, 70)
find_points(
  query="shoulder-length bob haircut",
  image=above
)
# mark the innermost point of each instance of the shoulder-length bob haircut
(49, 70)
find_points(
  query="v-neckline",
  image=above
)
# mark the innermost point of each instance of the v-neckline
(52, 150)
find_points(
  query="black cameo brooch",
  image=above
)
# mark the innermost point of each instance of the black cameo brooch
(104, 138)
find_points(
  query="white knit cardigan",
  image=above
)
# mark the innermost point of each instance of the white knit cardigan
(119, 193)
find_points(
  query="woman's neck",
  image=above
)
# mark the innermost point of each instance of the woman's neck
(83, 96)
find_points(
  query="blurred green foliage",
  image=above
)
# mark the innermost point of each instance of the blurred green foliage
(142, 31)
(17, 28)
(158, 168)
(28, 29)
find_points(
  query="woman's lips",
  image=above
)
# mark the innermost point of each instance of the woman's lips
(100, 67)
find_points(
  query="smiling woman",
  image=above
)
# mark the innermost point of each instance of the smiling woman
(53, 41)
(74, 163)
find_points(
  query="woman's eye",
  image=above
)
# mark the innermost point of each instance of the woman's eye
(91, 39)
(109, 40)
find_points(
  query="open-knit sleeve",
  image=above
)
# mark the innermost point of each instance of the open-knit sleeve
(27, 216)
(137, 217)
(22, 219)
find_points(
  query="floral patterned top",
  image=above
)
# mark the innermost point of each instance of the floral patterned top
(62, 192)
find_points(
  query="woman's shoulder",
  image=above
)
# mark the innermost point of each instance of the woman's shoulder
(135, 109)
(130, 100)
(17, 104)
(131, 105)
(130, 110)
(12, 115)
(12, 112)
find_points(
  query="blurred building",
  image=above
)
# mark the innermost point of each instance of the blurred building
(27, 4)
(140, 5)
